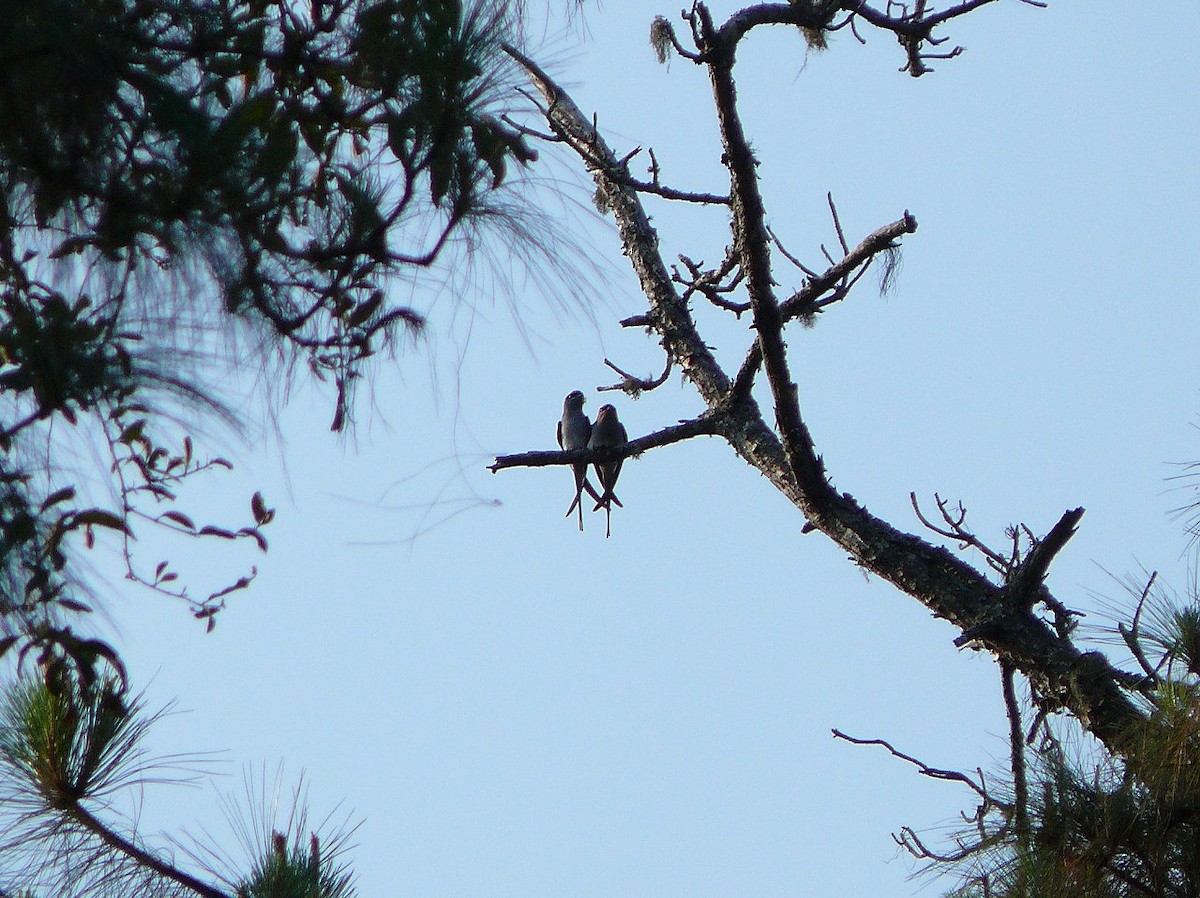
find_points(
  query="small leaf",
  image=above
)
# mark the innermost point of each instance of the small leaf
(364, 311)
(75, 606)
(210, 530)
(58, 496)
(168, 577)
(179, 518)
(262, 514)
(133, 432)
(70, 246)
(100, 518)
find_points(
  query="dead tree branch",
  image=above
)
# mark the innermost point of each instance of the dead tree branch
(1058, 671)
(634, 385)
(1131, 634)
(955, 528)
(1026, 579)
(915, 29)
(807, 299)
(708, 424)
(936, 773)
(988, 803)
(838, 278)
(712, 284)
(1016, 748)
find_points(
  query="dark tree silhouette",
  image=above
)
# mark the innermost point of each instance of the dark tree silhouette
(190, 189)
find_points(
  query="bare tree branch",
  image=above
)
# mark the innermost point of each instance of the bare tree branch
(1016, 748)
(708, 424)
(957, 530)
(751, 243)
(669, 313)
(634, 385)
(1059, 673)
(1026, 578)
(1131, 633)
(915, 29)
(654, 186)
(877, 241)
(933, 772)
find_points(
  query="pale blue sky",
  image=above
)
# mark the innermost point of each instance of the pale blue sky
(513, 708)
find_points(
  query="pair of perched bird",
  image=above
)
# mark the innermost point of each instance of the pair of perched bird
(575, 431)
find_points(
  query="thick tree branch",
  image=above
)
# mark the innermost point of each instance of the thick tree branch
(1058, 671)
(668, 311)
(1026, 579)
(1016, 749)
(752, 244)
(802, 14)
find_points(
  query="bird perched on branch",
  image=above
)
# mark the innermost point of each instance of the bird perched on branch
(607, 433)
(574, 431)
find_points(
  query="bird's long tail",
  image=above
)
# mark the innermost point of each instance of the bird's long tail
(581, 483)
(607, 500)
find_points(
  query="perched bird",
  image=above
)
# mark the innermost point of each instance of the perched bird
(607, 432)
(574, 430)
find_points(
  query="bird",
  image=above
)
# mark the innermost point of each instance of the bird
(607, 433)
(573, 432)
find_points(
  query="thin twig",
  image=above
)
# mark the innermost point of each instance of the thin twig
(837, 225)
(634, 385)
(956, 530)
(933, 772)
(787, 255)
(1130, 634)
